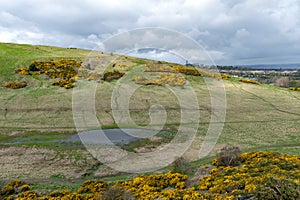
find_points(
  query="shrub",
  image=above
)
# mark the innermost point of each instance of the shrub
(181, 166)
(25, 187)
(187, 70)
(249, 81)
(15, 84)
(33, 67)
(158, 68)
(59, 193)
(30, 194)
(262, 175)
(114, 75)
(278, 189)
(163, 78)
(282, 81)
(63, 70)
(166, 75)
(8, 190)
(294, 89)
(172, 79)
(65, 83)
(193, 71)
(225, 76)
(122, 65)
(117, 193)
(228, 157)
(90, 186)
(14, 187)
(155, 186)
(23, 71)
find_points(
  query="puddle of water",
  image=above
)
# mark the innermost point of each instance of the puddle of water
(109, 136)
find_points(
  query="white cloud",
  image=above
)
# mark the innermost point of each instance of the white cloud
(232, 31)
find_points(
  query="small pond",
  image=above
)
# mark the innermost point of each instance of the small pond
(105, 136)
(108, 136)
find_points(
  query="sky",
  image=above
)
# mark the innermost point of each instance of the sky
(232, 32)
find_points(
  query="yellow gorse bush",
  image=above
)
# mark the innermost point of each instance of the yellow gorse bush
(15, 84)
(158, 68)
(161, 186)
(162, 78)
(249, 81)
(294, 89)
(23, 71)
(90, 190)
(160, 75)
(256, 170)
(187, 70)
(114, 75)
(63, 71)
(254, 177)
(122, 65)
(225, 76)
(172, 75)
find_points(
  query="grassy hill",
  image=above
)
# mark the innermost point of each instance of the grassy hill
(35, 120)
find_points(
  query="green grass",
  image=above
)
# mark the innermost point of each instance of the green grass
(45, 187)
(52, 140)
(258, 117)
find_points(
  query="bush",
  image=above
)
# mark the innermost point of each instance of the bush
(90, 186)
(163, 78)
(294, 89)
(23, 71)
(187, 70)
(122, 65)
(14, 187)
(25, 187)
(114, 75)
(249, 81)
(8, 190)
(225, 76)
(261, 175)
(64, 71)
(59, 193)
(15, 84)
(33, 67)
(117, 193)
(181, 166)
(282, 81)
(228, 157)
(278, 189)
(193, 71)
(30, 194)
(158, 68)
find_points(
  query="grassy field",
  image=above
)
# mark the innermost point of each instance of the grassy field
(35, 120)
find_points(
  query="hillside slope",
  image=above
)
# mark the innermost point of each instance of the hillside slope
(258, 117)
(269, 114)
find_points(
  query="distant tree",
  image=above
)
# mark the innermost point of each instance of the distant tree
(282, 81)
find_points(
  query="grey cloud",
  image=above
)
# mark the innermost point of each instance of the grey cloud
(233, 31)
